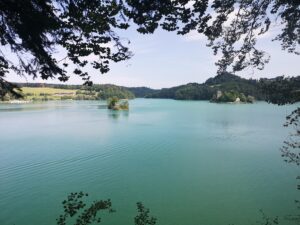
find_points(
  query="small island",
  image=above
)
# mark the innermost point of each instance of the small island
(115, 103)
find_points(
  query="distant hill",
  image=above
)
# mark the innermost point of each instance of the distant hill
(223, 87)
(191, 91)
(228, 82)
(228, 87)
(41, 91)
(281, 90)
(141, 92)
(224, 82)
(107, 90)
(224, 78)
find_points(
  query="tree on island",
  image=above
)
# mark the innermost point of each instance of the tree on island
(115, 103)
(112, 102)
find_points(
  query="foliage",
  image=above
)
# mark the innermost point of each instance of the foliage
(124, 104)
(117, 104)
(36, 91)
(223, 82)
(223, 78)
(74, 207)
(281, 90)
(107, 91)
(7, 97)
(227, 96)
(191, 91)
(33, 30)
(277, 90)
(112, 102)
(46, 93)
(143, 217)
(268, 220)
(8, 90)
(194, 92)
(230, 82)
(77, 212)
(232, 96)
(141, 92)
(238, 24)
(291, 148)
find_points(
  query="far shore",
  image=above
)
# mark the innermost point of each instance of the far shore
(16, 102)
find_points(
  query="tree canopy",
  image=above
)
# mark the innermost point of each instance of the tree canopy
(33, 30)
(279, 90)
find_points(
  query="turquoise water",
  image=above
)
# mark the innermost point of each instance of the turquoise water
(190, 162)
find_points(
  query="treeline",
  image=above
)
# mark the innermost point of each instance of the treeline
(281, 90)
(98, 91)
(191, 91)
(141, 92)
(231, 86)
(104, 92)
(94, 92)
(275, 90)
(225, 82)
(59, 86)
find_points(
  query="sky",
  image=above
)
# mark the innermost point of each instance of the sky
(164, 59)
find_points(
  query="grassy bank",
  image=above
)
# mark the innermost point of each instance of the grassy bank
(46, 93)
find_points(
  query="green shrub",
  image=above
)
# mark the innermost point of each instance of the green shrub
(112, 102)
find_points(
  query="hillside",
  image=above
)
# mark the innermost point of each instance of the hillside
(44, 92)
(224, 78)
(225, 82)
(141, 92)
(191, 91)
(221, 88)
(107, 89)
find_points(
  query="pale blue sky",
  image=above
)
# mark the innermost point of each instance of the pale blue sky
(165, 59)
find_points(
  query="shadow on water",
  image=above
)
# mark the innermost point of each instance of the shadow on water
(102, 106)
(46, 105)
(117, 114)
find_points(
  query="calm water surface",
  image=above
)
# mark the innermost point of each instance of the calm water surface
(190, 162)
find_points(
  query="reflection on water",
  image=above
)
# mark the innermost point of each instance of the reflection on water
(53, 105)
(102, 106)
(116, 114)
(21, 107)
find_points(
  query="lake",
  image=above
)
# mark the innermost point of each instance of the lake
(190, 162)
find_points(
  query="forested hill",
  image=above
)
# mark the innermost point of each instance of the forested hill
(41, 91)
(191, 91)
(230, 86)
(224, 78)
(224, 82)
(227, 87)
(141, 92)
